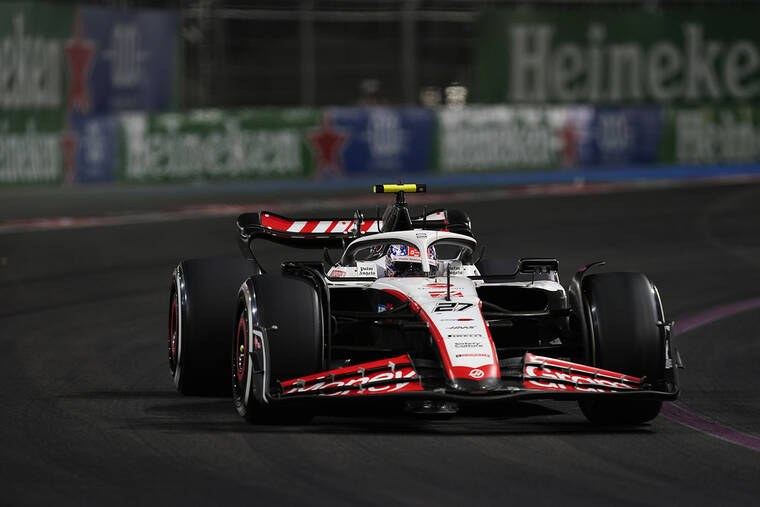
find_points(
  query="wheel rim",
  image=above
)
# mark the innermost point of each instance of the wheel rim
(241, 350)
(173, 335)
(241, 364)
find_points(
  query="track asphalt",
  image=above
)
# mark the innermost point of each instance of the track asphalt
(89, 414)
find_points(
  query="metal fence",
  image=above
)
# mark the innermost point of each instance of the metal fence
(318, 53)
(337, 52)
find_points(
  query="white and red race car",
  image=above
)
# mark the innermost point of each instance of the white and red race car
(412, 311)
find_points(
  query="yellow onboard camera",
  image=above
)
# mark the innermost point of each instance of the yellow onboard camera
(408, 187)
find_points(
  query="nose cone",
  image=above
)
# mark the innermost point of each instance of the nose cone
(470, 385)
(483, 378)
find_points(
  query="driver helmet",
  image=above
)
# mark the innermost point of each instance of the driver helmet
(405, 260)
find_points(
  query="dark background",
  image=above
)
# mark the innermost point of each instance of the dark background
(318, 52)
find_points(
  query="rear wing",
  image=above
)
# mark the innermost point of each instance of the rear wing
(318, 233)
(336, 232)
(304, 232)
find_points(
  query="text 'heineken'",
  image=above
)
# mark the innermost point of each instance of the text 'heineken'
(30, 69)
(698, 69)
(617, 56)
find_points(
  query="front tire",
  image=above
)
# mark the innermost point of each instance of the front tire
(623, 317)
(279, 335)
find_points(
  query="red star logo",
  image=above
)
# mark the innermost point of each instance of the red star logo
(569, 144)
(69, 141)
(79, 53)
(327, 143)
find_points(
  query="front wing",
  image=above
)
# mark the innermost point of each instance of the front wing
(527, 377)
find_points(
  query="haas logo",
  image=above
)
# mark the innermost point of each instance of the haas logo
(477, 373)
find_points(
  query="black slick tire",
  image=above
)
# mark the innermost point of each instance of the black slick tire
(622, 311)
(201, 306)
(459, 221)
(279, 335)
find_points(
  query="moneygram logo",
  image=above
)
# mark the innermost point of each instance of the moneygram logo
(404, 376)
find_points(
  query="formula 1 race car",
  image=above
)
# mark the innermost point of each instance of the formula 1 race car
(413, 311)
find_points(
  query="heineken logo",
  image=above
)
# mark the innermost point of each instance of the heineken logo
(703, 137)
(693, 67)
(619, 56)
(171, 149)
(30, 67)
(30, 156)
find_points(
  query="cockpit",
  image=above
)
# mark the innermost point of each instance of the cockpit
(414, 253)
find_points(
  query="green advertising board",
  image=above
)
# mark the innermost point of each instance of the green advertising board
(32, 90)
(30, 148)
(606, 55)
(712, 135)
(214, 144)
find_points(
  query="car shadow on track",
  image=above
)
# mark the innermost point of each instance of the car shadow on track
(185, 414)
(105, 394)
(214, 415)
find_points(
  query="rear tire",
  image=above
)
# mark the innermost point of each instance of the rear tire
(622, 311)
(498, 266)
(201, 305)
(459, 222)
(263, 354)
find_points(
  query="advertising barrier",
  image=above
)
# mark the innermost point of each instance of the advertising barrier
(30, 148)
(524, 138)
(383, 140)
(62, 68)
(490, 138)
(33, 77)
(710, 135)
(85, 90)
(609, 55)
(622, 136)
(213, 144)
(121, 60)
(133, 62)
(276, 143)
(96, 141)
(34, 39)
